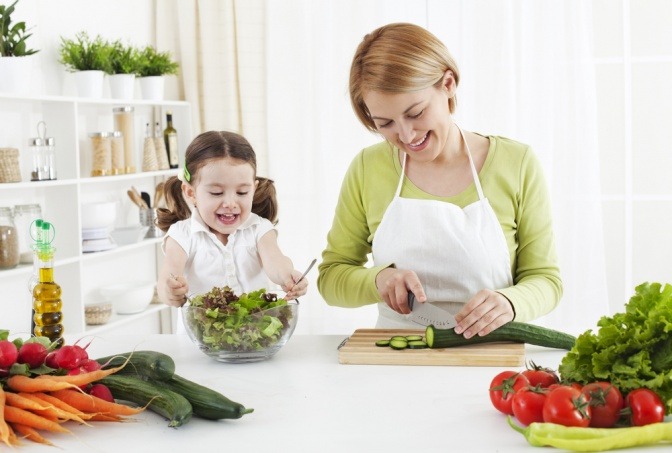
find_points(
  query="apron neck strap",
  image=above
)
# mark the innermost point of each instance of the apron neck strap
(477, 181)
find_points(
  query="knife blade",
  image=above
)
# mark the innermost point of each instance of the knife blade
(426, 313)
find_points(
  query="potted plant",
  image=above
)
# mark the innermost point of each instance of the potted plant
(89, 60)
(124, 65)
(153, 67)
(15, 64)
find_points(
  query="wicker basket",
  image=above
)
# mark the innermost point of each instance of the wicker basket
(9, 165)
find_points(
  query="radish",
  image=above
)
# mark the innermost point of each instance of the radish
(69, 357)
(101, 391)
(89, 365)
(32, 354)
(50, 361)
(8, 354)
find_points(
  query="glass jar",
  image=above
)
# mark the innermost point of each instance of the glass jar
(101, 146)
(123, 122)
(24, 216)
(9, 240)
(117, 142)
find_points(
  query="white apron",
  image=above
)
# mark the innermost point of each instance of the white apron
(455, 252)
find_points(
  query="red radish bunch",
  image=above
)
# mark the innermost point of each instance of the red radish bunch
(32, 354)
(8, 356)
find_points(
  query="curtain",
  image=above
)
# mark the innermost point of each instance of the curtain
(221, 48)
(527, 73)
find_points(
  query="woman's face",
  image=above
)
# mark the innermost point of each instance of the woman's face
(223, 193)
(417, 122)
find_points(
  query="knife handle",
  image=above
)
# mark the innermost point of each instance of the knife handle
(411, 300)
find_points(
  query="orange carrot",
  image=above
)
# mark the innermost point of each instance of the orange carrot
(16, 400)
(60, 404)
(20, 383)
(16, 415)
(4, 428)
(106, 418)
(30, 434)
(81, 379)
(93, 404)
(13, 440)
(48, 410)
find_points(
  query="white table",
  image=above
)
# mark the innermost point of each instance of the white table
(305, 401)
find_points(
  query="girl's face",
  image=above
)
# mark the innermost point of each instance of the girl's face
(223, 193)
(417, 122)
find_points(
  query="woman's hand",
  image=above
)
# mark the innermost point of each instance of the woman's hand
(176, 291)
(393, 286)
(485, 312)
(294, 289)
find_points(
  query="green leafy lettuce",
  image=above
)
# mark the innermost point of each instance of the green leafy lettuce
(631, 349)
(250, 322)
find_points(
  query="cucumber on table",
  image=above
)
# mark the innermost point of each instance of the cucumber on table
(513, 331)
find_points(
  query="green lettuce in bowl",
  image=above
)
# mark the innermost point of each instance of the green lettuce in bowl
(246, 328)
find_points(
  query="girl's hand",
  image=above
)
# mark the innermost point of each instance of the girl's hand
(485, 312)
(176, 290)
(393, 286)
(294, 289)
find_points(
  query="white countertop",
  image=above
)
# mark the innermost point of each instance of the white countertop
(305, 401)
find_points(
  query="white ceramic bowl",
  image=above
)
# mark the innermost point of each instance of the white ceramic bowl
(129, 235)
(98, 215)
(128, 298)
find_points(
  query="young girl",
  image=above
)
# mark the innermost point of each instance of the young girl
(228, 237)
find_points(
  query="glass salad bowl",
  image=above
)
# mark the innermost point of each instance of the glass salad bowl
(250, 328)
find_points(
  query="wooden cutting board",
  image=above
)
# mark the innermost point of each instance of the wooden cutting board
(360, 349)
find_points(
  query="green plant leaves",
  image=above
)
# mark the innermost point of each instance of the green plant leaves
(13, 37)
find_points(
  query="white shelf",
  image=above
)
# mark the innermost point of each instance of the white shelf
(70, 120)
(117, 320)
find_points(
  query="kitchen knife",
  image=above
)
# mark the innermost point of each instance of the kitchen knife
(425, 314)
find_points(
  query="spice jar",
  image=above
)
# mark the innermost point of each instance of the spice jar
(117, 142)
(123, 122)
(44, 155)
(149, 162)
(24, 216)
(101, 146)
(9, 240)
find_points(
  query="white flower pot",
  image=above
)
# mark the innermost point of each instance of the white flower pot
(15, 74)
(152, 87)
(89, 83)
(121, 85)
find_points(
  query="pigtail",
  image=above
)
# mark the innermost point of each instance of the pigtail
(265, 202)
(177, 207)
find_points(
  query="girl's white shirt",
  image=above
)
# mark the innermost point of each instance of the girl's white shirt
(211, 263)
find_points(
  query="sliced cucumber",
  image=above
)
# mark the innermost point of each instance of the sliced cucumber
(417, 344)
(414, 337)
(383, 343)
(398, 337)
(398, 343)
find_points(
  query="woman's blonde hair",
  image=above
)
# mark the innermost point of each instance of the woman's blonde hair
(398, 58)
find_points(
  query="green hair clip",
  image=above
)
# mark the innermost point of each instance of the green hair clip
(187, 175)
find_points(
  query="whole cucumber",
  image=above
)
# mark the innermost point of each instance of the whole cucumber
(161, 400)
(206, 403)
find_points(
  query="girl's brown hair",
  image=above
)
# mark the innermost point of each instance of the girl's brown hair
(205, 147)
(398, 58)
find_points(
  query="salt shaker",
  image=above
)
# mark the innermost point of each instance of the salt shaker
(44, 155)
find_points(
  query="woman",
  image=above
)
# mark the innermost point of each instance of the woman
(449, 215)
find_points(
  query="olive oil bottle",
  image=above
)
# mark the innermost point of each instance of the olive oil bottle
(170, 138)
(47, 304)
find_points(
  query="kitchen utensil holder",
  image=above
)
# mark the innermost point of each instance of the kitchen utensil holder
(148, 219)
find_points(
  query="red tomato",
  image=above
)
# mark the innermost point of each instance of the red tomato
(538, 375)
(646, 407)
(567, 406)
(606, 402)
(503, 387)
(528, 405)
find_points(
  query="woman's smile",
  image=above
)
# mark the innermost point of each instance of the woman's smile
(420, 144)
